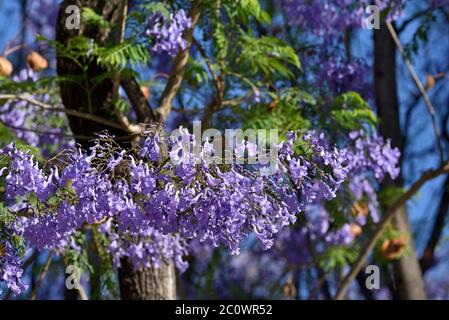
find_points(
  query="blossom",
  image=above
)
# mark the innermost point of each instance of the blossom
(166, 32)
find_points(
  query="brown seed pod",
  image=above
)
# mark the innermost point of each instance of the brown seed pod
(392, 248)
(5, 67)
(37, 62)
(360, 209)
(273, 105)
(430, 82)
(356, 230)
(146, 92)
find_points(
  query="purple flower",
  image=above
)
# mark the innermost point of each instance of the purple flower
(166, 33)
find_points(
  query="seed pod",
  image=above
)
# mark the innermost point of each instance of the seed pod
(5, 67)
(360, 209)
(430, 83)
(392, 248)
(355, 229)
(146, 92)
(37, 62)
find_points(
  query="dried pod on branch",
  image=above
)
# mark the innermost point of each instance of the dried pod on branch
(5, 67)
(37, 62)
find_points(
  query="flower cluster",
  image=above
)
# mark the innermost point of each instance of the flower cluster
(11, 268)
(145, 247)
(369, 159)
(317, 228)
(341, 76)
(146, 205)
(325, 17)
(372, 153)
(323, 25)
(166, 32)
(10, 253)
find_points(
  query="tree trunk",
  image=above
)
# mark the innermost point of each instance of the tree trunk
(139, 284)
(148, 283)
(408, 276)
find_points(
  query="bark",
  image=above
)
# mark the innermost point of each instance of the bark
(148, 283)
(361, 280)
(139, 284)
(73, 95)
(408, 275)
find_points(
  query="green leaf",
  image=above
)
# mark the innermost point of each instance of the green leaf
(7, 136)
(337, 256)
(350, 111)
(248, 8)
(196, 72)
(268, 55)
(286, 115)
(119, 56)
(90, 17)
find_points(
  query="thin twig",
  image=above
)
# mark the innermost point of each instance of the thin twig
(219, 83)
(389, 213)
(121, 117)
(417, 15)
(66, 135)
(74, 113)
(421, 89)
(42, 275)
(41, 132)
(13, 49)
(119, 39)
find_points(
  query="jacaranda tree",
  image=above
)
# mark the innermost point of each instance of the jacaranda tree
(114, 158)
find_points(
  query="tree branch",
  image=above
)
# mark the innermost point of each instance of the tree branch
(41, 132)
(219, 83)
(178, 68)
(79, 114)
(121, 117)
(389, 213)
(412, 18)
(421, 89)
(140, 104)
(42, 275)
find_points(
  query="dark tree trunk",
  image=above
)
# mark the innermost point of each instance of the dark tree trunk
(361, 280)
(139, 284)
(408, 276)
(73, 95)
